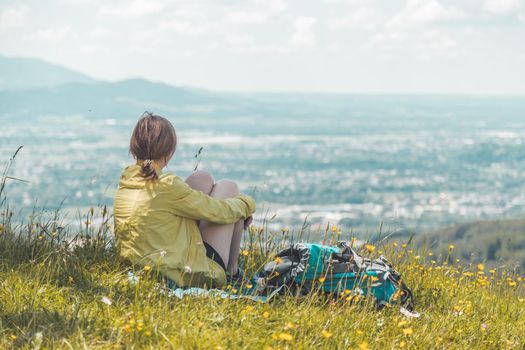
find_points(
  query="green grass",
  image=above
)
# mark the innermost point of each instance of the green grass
(52, 295)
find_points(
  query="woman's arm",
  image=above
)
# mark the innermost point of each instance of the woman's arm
(194, 204)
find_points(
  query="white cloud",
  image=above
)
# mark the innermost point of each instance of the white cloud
(437, 41)
(89, 49)
(135, 8)
(99, 33)
(246, 17)
(76, 2)
(262, 49)
(14, 16)
(385, 41)
(240, 40)
(502, 7)
(273, 5)
(54, 35)
(424, 11)
(181, 27)
(304, 34)
(363, 17)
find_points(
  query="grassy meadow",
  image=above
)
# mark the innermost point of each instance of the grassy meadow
(62, 287)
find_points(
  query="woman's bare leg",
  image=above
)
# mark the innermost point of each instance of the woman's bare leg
(220, 236)
(224, 238)
(200, 180)
(235, 247)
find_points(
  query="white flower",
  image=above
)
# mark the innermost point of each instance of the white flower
(187, 269)
(163, 253)
(37, 340)
(106, 300)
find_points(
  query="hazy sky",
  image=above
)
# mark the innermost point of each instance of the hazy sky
(462, 46)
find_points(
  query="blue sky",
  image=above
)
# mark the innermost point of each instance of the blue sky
(421, 46)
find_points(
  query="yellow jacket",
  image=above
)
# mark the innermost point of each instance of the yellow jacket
(156, 225)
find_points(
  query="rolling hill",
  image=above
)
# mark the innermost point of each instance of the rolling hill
(28, 73)
(497, 243)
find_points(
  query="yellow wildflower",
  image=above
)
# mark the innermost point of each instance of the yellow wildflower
(326, 334)
(451, 246)
(408, 331)
(363, 345)
(285, 336)
(481, 267)
(322, 279)
(147, 268)
(278, 260)
(13, 337)
(245, 253)
(370, 248)
(266, 314)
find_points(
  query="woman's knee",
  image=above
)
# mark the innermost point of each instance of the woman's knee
(225, 189)
(201, 180)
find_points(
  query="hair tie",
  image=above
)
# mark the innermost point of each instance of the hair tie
(148, 170)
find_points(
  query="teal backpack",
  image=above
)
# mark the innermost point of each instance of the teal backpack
(336, 270)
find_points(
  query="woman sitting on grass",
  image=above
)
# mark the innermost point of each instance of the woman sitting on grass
(190, 230)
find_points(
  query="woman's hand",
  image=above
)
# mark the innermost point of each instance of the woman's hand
(248, 221)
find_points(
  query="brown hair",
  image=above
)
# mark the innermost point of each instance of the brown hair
(153, 138)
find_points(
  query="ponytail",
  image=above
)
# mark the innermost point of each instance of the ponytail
(148, 171)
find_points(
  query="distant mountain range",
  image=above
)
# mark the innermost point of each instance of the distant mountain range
(28, 73)
(31, 87)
